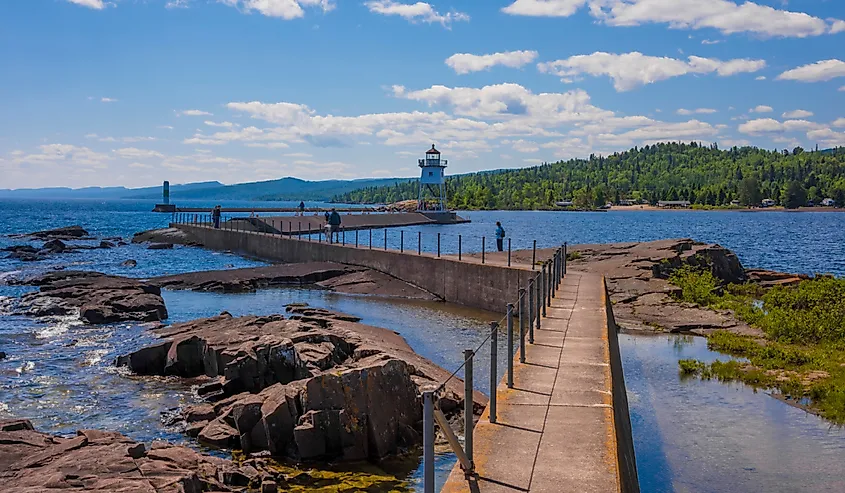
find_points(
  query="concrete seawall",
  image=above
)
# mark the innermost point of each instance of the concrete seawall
(470, 283)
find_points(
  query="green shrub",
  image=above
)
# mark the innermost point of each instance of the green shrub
(811, 312)
(697, 285)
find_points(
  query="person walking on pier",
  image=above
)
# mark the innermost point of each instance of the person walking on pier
(301, 208)
(334, 225)
(500, 236)
(215, 216)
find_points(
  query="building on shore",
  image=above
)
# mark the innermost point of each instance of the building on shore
(674, 204)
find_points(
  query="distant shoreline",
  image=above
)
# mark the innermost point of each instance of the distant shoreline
(725, 209)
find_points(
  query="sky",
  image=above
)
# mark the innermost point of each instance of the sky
(134, 92)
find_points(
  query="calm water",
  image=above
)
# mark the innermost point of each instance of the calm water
(689, 435)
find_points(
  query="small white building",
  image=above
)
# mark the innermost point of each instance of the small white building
(828, 203)
(767, 203)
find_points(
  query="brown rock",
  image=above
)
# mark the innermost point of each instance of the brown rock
(65, 233)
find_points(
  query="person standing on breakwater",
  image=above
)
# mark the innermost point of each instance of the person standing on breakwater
(301, 208)
(334, 225)
(215, 216)
(500, 236)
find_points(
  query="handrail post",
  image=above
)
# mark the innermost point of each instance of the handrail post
(459, 247)
(428, 441)
(494, 356)
(534, 256)
(343, 229)
(385, 239)
(565, 260)
(356, 238)
(539, 300)
(531, 290)
(371, 238)
(419, 242)
(402, 241)
(509, 252)
(468, 403)
(483, 248)
(438, 245)
(545, 289)
(522, 314)
(559, 266)
(510, 345)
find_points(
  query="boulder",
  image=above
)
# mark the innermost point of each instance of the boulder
(768, 278)
(66, 233)
(106, 244)
(315, 386)
(2, 355)
(129, 263)
(54, 246)
(25, 256)
(103, 461)
(160, 246)
(98, 298)
(166, 235)
(20, 248)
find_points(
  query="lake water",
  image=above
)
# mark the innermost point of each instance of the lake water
(689, 435)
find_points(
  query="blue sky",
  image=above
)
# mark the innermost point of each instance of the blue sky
(132, 92)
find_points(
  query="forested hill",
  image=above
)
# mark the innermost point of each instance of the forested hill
(700, 174)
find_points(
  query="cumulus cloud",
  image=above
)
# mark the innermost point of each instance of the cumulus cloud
(91, 4)
(700, 111)
(135, 153)
(770, 125)
(195, 113)
(724, 15)
(464, 63)
(816, 72)
(761, 77)
(283, 9)
(797, 114)
(761, 109)
(220, 124)
(544, 8)
(631, 70)
(108, 100)
(415, 12)
(839, 122)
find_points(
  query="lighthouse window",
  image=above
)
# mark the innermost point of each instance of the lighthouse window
(430, 173)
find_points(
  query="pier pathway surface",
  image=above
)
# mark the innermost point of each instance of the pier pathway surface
(555, 430)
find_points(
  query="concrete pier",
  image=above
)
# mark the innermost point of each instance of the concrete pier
(564, 426)
(294, 224)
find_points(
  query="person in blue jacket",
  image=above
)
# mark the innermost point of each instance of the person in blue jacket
(500, 236)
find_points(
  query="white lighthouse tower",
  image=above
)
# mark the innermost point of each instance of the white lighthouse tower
(432, 196)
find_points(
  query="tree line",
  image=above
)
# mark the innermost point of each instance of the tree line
(703, 175)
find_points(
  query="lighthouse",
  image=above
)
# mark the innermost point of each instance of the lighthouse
(432, 196)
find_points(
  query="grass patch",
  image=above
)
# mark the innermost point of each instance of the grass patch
(574, 255)
(803, 353)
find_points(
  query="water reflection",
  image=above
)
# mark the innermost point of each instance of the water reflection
(706, 436)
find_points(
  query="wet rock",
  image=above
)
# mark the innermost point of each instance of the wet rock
(166, 235)
(20, 248)
(66, 233)
(106, 244)
(98, 298)
(25, 256)
(54, 246)
(316, 386)
(104, 461)
(129, 263)
(326, 275)
(2, 355)
(160, 246)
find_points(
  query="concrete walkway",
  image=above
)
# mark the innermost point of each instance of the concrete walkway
(555, 429)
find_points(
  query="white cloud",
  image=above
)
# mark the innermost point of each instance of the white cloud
(54, 156)
(839, 122)
(724, 15)
(220, 124)
(464, 63)
(797, 114)
(140, 165)
(816, 72)
(761, 109)
(631, 70)
(177, 4)
(770, 125)
(135, 153)
(283, 9)
(165, 127)
(842, 89)
(762, 77)
(415, 12)
(701, 111)
(544, 8)
(827, 137)
(710, 41)
(93, 4)
(195, 113)
(108, 100)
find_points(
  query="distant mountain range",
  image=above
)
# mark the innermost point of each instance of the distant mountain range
(281, 189)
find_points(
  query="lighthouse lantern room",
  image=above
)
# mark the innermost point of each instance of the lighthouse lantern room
(432, 196)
